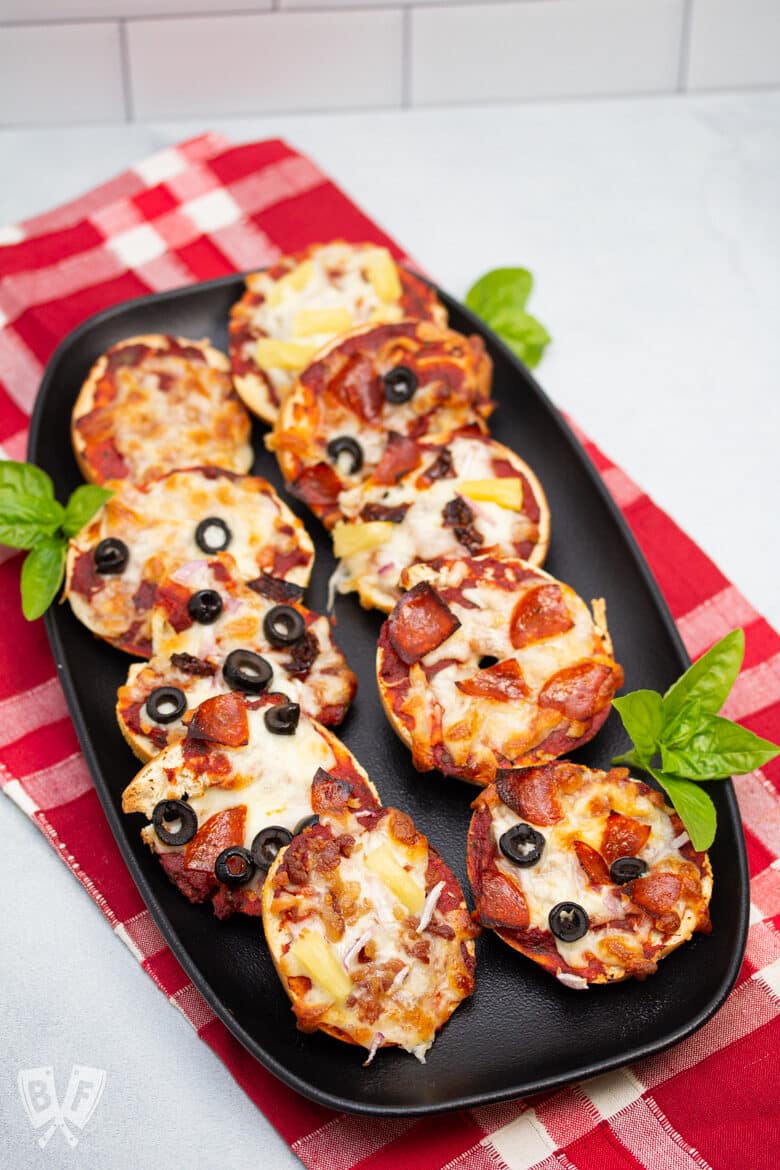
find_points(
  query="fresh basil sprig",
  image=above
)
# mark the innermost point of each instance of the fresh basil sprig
(31, 518)
(693, 741)
(499, 298)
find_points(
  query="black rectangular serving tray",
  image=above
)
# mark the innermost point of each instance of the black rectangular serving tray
(521, 1032)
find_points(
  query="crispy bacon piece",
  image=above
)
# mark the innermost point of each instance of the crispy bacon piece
(393, 515)
(191, 664)
(532, 792)
(401, 455)
(580, 691)
(441, 468)
(224, 829)
(657, 893)
(222, 719)
(319, 487)
(503, 682)
(540, 613)
(275, 588)
(328, 793)
(623, 837)
(174, 599)
(501, 903)
(593, 863)
(420, 622)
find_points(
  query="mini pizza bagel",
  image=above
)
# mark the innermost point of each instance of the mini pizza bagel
(489, 663)
(144, 533)
(212, 633)
(368, 928)
(466, 494)
(292, 309)
(157, 403)
(587, 873)
(356, 410)
(229, 796)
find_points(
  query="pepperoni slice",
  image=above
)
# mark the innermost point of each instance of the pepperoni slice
(420, 622)
(532, 792)
(107, 460)
(319, 487)
(174, 599)
(222, 719)
(593, 863)
(623, 837)
(328, 793)
(504, 681)
(502, 904)
(657, 893)
(540, 613)
(357, 386)
(401, 455)
(219, 832)
(578, 692)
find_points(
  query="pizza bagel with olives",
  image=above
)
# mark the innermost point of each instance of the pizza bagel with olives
(156, 403)
(145, 532)
(292, 309)
(368, 928)
(358, 409)
(588, 873)
(465, 494)
(489, 662)
(222, 802)
(211, 633)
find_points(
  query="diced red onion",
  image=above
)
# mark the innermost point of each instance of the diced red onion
(430, 906)
(375, 1044)
(400, 978)
(680, 840)
(355, 949)
(186, 573)
(575, 982)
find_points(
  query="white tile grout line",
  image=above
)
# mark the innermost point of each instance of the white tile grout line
(127, 81)
(685, 46)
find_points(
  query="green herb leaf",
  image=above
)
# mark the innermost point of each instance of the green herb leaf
(499, 298)
(525, 336)
(26, 519)
(678, 730)
(710, 679)
(717, 749)
(42, 574)
(82, 506)
(694, 808)
(25, 479)
(641, 712)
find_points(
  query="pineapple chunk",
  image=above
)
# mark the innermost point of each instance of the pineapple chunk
(321, 965)
(383, 274)
(506, 492)
(349, 539)
(295, 280)
(283, 355)
(398, 880)
(309, 321)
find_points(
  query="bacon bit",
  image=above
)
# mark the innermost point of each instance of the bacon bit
(401, 455)
(174, 599)
(393, 515)
(420, 622)
(623, 837)
(85, 578)
(657, 893)
(540, 613)
(276, 589)
(501, 903)
(283, 562)
(532, 792)
(502, 681)
(376, 1044)
(219, 832)
(190, 664)
(441, 468)
(402, 827)
(578, 692)
(328, 793)
(429, 906)
(303, 654)
(319, 487)
(593, 863)
(222, 719)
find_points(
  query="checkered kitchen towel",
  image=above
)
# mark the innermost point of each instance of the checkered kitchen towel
(205, 209)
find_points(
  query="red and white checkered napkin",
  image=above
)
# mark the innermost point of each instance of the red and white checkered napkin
(204, 209)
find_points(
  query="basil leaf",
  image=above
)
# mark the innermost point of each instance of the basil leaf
(718, 749)
(42, 574)
(25, 519)
(25, 479)
(500, 288)
(641, 713)
(679, 729)
(710, 679)
(82, 506)
(525, 336)
(694, 808)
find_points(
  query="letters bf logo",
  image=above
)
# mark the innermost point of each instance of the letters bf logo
(39, 1094)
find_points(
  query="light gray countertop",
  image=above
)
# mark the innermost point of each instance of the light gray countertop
(652, 228)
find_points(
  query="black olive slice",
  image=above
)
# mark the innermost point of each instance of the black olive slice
(234, 866)
(305, 824)
(268, 842)
(486, 661)
(568, 921)
(245, 671)
(283, 720)
(205, 606)
(168, 812)
(165, 704)
(213, 535)
(283, 625)
(522, 845)
(346, 445)
(626, 869)
(111, 556)
(400, 384)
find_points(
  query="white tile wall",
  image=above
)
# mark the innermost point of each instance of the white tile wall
(279, 61)
(500, 52)
(734, 43)
(60, 73)
(27, 10)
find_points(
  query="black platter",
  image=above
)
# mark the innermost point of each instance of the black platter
(521, 1032)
